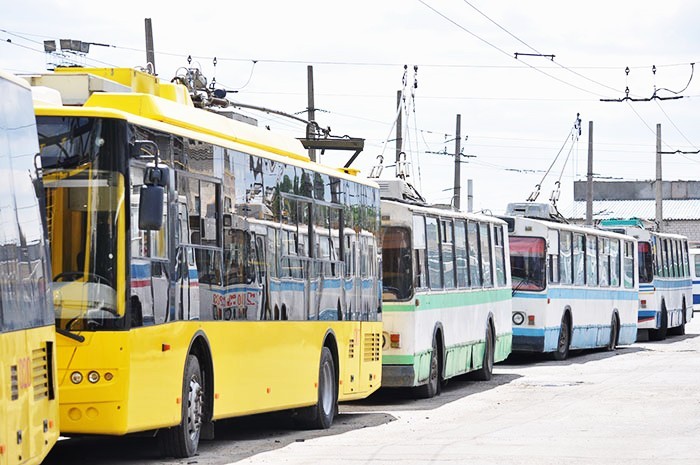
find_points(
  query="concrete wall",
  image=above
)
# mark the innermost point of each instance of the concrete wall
(637, 190)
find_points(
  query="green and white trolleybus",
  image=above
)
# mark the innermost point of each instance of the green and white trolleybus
(446, 291)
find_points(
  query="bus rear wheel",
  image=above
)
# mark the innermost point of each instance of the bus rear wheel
(614, 331)
(660, 334)
(320, 415)
(563, 342)
(680, 329)
(486, 371)
(183, 440)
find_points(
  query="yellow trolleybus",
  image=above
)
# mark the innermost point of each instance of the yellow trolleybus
(203, 268)
(28, 404)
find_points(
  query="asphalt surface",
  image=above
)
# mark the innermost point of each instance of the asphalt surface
(637, 405)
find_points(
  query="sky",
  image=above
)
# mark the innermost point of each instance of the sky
(517, 114)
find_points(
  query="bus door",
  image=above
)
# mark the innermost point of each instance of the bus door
(187, 277)
(258, 296)
(351, 284)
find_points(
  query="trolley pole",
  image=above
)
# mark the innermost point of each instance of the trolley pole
(150, 52)
(399, 138)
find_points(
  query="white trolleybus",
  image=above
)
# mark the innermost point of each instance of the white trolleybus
(695, 272)
(573, 287)
(665, 283)
(446, 292)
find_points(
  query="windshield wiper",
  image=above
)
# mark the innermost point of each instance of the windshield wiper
(69, 335)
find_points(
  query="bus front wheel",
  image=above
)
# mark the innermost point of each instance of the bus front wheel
(182, 440)
(320, 415)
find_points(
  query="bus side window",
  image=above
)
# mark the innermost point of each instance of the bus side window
(461, 259)
(474, 255)
(487, 268)
(615, 263)
(565, 258)
(433, 249)
(579, 260)
(629, 264)
(591, 261)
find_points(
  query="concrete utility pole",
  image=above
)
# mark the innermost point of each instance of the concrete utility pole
(150, 53)
(399, 139)
(589, 177)
(658, 184)
(470, 195)
(457, 183)
(310, 126)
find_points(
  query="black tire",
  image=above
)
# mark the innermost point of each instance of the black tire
(432, 387)
(485, 373)
(563, 342)
(614, 333)
(183, 440)
(661, 333)
(321, 415)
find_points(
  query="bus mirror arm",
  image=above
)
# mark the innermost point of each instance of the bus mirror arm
(68, 334)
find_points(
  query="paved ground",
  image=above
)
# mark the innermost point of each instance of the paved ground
(638, 405)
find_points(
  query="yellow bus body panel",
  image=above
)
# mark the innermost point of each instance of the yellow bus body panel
(258, 367)
(26, 412)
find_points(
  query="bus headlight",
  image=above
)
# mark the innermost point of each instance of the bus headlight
(93, 377)
(518, 318)
(76, 377)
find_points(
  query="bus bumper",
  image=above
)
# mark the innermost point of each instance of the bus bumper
(526, 340)
(398, 376)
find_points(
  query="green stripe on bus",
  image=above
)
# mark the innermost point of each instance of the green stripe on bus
(397, 359)
(448, 299)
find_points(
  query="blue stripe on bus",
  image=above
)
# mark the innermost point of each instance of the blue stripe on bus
(140, 270)
(696, 299)
(672, 284)
(579, 293)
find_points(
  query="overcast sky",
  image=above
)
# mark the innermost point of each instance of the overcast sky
(516, 113)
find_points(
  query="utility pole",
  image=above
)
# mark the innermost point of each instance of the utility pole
(399, 139)
(658, 185)
(150, 53)
(457, 182)
(311, 125)
(470, 195)
(589, 177)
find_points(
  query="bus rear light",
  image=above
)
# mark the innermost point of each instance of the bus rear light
(108, 376)
(395, 340)
(531, 320)
(76, 377)
(643, 303)
(2, 449)
(93, 377)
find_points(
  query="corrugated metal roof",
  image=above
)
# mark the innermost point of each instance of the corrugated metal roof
(645, 209)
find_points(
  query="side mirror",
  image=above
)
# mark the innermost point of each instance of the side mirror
(151, 198)
(151, 207)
